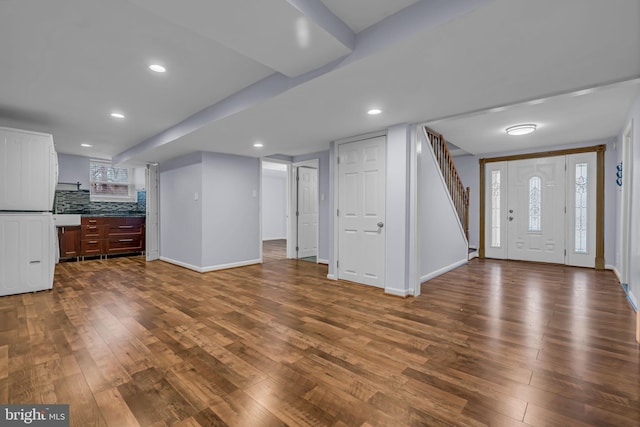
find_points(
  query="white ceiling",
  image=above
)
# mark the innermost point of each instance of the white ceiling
(297, 74)
(361, 14)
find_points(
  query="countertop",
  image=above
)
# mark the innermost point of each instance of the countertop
(85, 214)
(115, 215)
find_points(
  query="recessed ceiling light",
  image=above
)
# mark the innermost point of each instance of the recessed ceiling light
(157, 68)
(86, 145)
(117, 115)
(374, 112)
(521, 129)
(258, 145)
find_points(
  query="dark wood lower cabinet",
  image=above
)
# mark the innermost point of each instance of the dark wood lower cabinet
(69, 240)
(112, 235)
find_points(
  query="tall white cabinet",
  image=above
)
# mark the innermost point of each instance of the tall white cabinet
(27, 252)
(28, 241)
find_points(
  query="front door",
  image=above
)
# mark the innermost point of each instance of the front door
(361, 211)
(542, 209)
(307, 179)
(536, 210)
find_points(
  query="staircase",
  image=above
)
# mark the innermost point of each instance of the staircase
(459, 194)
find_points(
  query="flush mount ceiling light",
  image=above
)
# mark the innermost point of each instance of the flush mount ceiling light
(117, 115)
(157, 68)
(521, 129)
(374, 112)
(86, 145)
(258, 145)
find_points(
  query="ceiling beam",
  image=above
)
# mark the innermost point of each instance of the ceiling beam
(320, 14)
(419, 17)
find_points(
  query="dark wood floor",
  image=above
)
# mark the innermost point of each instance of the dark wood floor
(493, 343)
(274, 250)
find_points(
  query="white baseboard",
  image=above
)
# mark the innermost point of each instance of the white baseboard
(323, 261)
(210, 268)
(473, 255)
(443, 270)
(180, 264)
(231, 265)
(274, 238)
(332, 277)
(633, 300)
(398, 292)
(615, 271)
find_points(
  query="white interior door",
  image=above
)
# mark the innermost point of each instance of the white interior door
(152, 233)
(581, 209)
(307, 211)
(536, 210)
(361, 211)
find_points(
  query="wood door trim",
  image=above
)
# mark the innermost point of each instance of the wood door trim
(599, 149)
(537, 155)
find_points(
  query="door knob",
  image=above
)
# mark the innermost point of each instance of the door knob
(381, 224)
(510, 218)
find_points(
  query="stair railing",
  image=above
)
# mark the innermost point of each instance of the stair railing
(459, 194)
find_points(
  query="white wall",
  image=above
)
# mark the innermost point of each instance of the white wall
(180, 215)
(209, 211)
(274, 204)
(397, 208)
(442, 243)
(230, 211)
(634, 270)
(72, 169)
(324, 179)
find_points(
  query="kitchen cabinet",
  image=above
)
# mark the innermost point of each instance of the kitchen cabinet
(112, 235)
(69, 240)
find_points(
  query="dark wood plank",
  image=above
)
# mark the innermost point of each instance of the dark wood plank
(496, 343)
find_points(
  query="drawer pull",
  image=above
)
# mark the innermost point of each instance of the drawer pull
(126, 226)
(92, 228)
(93, 242)
(93, 220)
(125, 240)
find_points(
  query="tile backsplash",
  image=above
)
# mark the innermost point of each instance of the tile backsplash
(78, 201)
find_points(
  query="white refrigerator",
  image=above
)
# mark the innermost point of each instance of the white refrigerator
(28, 239)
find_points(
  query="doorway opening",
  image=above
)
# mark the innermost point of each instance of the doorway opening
(275, 206)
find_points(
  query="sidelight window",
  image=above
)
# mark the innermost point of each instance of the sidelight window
(581, 208)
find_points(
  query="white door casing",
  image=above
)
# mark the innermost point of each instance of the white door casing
(361, 211)
(307, 179)
(535, 209)
(152, 230)
(626, 203)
